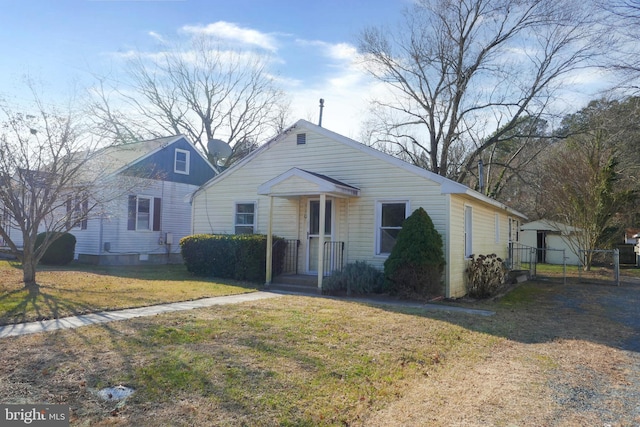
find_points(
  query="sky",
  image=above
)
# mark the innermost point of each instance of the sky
(64, 43)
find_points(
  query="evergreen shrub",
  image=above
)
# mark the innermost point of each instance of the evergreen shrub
(60, 251)
(357, 278)
(230, 256)
(414, 267)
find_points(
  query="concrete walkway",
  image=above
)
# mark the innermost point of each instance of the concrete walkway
(112, 316)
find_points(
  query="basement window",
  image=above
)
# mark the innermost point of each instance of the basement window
(301, 138)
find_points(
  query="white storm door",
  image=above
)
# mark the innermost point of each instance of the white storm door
(313, 231)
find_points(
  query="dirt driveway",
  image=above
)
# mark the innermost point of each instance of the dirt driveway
(571, 358)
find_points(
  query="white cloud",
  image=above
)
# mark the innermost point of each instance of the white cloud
(335, 51)
(157, 37)
(233, 32)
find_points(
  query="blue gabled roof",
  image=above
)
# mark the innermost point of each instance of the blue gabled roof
(155, 159)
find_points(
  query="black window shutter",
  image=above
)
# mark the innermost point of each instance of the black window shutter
(85, 213)
(69, 213)
(131, 221)
(157, 208)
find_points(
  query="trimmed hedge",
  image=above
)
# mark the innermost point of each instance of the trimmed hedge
(231, 256)
(61, 249)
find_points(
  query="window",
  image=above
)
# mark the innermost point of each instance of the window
(468, 231)
(389, 219)
(181, 161)
(497, 227)
(77, 210)
(301, 138)
(245, 218)
(314, 218)
(144, 213)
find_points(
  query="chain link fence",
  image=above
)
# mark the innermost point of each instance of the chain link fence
(604, 268)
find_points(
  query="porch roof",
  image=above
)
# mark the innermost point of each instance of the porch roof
(298, 182)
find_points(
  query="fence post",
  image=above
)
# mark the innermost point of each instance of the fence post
(564, 267)
(616, 265)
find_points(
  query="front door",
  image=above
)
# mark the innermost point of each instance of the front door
(313, 233)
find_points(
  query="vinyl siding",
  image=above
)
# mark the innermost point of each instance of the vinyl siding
(483, 238)
(377, 178)
(174, 219)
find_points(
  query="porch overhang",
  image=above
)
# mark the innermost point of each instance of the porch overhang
(299, 182)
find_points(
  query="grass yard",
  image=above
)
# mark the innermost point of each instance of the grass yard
(80, 289)
(552, 355)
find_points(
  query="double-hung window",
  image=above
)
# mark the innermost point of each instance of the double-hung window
(181, 161)
(468, 231)
(144, 213)
(245, 218)
(77, 211)
(389, 218)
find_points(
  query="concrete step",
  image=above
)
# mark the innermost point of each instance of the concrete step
(287, 288)
(295, 283)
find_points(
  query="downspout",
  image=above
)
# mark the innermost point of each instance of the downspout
(447, 249)
(100, 239)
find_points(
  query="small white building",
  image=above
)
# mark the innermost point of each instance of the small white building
(551, 239)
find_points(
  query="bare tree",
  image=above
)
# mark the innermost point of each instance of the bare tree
(584, 185)
(624, 58)
(50, 180)
(40, 161)
(463, 73)
(204, 92)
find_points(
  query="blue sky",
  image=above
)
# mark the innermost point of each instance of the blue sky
(61, 42)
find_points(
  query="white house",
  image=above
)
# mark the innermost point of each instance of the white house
(553, 240)
(143, 213)
(314, 186)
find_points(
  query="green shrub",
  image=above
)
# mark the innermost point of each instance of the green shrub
(61, 249)
(357, 278)
(230, 256)
(485, 275)
(414, 267)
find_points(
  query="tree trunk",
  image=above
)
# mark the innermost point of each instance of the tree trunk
(29, 276)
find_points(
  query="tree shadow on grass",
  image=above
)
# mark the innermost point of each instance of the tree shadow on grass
(30, 304)
(544, 311)
(162, 367)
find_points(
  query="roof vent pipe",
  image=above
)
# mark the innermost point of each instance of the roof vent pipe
(321, 107)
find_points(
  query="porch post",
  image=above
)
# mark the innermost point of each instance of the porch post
(269, 243)
(323, 203)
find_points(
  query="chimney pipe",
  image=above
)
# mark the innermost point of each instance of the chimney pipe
(480, 175)
(321, 107)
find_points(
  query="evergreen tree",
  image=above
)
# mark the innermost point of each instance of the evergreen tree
(414, 267)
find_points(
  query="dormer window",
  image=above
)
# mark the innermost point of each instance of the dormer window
(181, 161)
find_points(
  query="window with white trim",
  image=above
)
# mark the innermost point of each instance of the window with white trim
(468, 231)
(245, 218)
(181, 161)
(144, 213)
(389, 218)
(77, 211)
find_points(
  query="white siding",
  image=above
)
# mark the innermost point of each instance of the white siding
(378, 180)
(175, 219)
